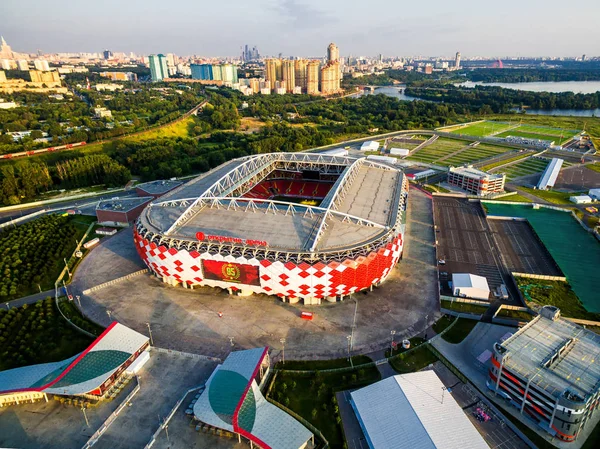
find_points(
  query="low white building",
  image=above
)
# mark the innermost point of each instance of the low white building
(369, 145)
(102, 112)
(399, 152)
(469, 285)
(581, 199)
(413, 411)
(594, 194)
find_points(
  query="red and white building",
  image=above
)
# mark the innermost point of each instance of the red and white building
(296, 225)
(476, 182)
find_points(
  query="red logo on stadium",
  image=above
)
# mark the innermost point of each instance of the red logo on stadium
(200, 235)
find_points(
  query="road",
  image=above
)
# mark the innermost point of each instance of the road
(88, 202)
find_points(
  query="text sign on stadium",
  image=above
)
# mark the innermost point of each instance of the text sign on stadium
(221, 238)
(231, 272)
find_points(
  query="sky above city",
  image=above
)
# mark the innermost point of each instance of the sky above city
(305, 27)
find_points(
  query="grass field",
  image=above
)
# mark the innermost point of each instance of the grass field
(459, 331)
(409, 362)
(406, 145)
(550, 195)
(594, 167)
(514, 198)
(438, 152)
(483, 129)
(505, 161)
(525, 167)
(555, 293)
(464, 307)
(549, 131)
(312, 396)
(528, 135)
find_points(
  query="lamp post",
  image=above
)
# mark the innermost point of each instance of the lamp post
(67, 267)
(353, 324)
(85, 416)
(282, 341)
(392, 333)
(349, 338)
(150, 332)
(109, 313)
(231, 341)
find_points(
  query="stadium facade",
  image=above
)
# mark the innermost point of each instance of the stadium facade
(296, 225)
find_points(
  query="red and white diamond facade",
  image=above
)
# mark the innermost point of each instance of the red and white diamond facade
(296, 225)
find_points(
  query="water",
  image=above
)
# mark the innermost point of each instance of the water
(583, 87)
(564, 112)
(390, 91)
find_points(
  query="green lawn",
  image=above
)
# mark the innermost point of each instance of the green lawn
(546, 130)
(527, 135)
(514, 198)
(414, 342)
(72, 313)
(505, 161)
(555, 293)
(311, 365)
(482, 129)
(460, 330)
(515, 314)
(594, 167)
(312, 396)
(550, 195)
(443, 323)
(525, 167)
(409, 362)
(464, 307)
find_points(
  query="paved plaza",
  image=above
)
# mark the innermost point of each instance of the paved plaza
(189, 321)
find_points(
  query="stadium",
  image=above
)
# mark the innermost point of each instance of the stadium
(296, 225)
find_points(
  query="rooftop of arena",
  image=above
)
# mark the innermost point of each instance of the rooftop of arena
(295, 202)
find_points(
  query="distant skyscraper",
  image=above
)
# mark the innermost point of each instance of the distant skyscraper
(202, 71)
(300, 72)
(312, 77)
(227, 73)
(158, 67)
(457, 60)
(289, 75)
(333, 53)
(330, 78)
(273, 71)
(5, 50)
(107, 54)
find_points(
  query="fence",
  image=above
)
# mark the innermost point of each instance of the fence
(22, 218)
(586, 322)
(303, 421)
(59, 200)
(94, 438)
(511, 321)
(114, 281)
(186, 354)
(60, 278)
(540, 276)
(168, 418)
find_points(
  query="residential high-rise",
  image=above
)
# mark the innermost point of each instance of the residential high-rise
(158, 67)
(312, 77)
(333, 53)
(457, 61)
(107, 54)
(289, 75)
(227, 73)
(201, 71)
(300, 72)
(41, 65)
(273, 71)
(23, 65)
(330, 78)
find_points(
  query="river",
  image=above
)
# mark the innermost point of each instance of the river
(390, 91)
(578, 87)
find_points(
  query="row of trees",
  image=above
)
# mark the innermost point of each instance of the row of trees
(500, 100)
(28, 178)
(583, 73)
(37, 333)
(31, 254)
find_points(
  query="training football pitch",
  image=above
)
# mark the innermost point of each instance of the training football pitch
(482, 129)
(503, 129)
(454, 152)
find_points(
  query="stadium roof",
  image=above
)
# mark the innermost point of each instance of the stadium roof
(557, 355)
(158, 187)
(81, 373)
(550, 174)
(413, 411)
(364, 205)
(233, 401)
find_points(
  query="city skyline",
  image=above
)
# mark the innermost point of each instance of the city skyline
(518, 29)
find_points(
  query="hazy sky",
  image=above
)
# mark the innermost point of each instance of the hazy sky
(305, 27)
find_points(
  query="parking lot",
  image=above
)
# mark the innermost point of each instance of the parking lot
(465, 243)
(522, 249)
